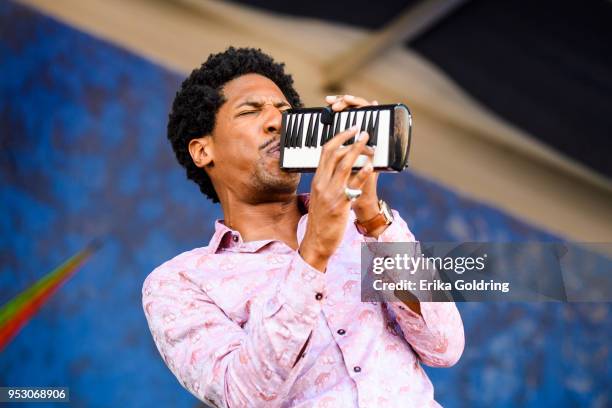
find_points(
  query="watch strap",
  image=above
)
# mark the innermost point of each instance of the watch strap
(379, 220)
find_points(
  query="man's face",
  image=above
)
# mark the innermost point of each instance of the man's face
(246, 141)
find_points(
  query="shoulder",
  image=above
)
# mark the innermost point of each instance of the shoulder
(170, 269)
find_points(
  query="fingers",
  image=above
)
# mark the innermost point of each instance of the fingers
(345, 164)
(331, 153)
(359, 179)
(334, 151)
(339, 139)
(341, 102)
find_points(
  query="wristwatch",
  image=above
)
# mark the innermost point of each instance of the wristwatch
(384, 217)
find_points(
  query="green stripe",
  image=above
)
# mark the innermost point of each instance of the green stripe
(20, 301)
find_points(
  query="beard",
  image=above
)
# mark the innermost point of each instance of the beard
(270, 181)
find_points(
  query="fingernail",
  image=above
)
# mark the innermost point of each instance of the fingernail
(361, 135)
(330, 97)
(348, 96)
(368, 167)
(354, 128)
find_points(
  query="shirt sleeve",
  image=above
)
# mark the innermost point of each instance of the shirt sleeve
(213, 357)
(437, 334)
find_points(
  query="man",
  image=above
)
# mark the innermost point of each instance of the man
(269, 313)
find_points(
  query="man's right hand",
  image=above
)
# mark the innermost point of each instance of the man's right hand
(329, 207)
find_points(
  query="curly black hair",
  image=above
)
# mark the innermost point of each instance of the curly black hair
(196, 104)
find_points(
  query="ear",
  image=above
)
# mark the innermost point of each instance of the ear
(201, 151)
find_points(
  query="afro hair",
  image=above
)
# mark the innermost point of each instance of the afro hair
(197, 102)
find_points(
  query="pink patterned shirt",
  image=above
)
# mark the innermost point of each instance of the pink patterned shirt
(230, 320)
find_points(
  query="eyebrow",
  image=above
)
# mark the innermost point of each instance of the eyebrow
(259, 103)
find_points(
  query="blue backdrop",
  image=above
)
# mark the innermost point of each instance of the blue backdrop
(84, 155)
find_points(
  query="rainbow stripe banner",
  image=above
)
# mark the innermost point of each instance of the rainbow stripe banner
(19, 310)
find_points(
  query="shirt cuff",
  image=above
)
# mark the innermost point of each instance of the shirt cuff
(429, 317)
(414, 320)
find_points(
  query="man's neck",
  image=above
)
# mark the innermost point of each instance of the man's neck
(273, 220)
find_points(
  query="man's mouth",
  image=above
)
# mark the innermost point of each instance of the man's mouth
(274, 149)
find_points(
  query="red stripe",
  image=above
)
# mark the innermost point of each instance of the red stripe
(13, 326)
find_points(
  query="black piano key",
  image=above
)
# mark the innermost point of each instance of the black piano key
(337, 128)
(306, 126)
(363, 121)
(370, 127)
(298, 136)
(330, 132)
(348, 125)
(286, 142)
(324, 134)
(308, 138)
(353, 123)
(298, 142)
(347, 122)
(374, 137)
(294, 132)
(289, 131)
(315, 132)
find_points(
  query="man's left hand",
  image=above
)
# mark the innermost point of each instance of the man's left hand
(366, 206)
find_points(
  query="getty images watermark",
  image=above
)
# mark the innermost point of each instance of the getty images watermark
(476, 271)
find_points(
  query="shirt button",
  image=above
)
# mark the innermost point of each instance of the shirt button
(235, 238)
(341, 332)
(319, 296)
(356, 369)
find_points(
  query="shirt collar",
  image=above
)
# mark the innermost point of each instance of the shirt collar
(225, 237)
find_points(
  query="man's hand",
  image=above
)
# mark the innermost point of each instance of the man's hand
(366, 206)
(329, 207)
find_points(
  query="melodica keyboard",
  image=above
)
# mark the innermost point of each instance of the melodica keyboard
(306, 130)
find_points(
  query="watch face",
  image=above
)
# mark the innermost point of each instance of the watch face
(386, 211)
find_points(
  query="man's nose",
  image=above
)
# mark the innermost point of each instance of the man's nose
(274, 118)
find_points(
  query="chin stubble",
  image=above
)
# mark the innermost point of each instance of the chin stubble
(274, 183)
